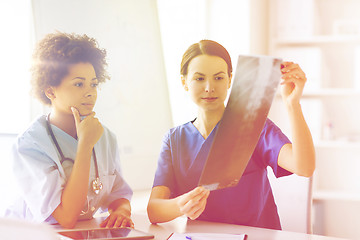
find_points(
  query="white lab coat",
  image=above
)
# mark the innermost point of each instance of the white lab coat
(41, 177)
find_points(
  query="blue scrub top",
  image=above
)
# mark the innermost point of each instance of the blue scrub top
(251, 202)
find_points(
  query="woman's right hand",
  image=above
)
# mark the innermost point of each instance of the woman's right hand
(193, 203)
(89, 130)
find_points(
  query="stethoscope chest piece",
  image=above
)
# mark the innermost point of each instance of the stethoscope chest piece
(97, 185)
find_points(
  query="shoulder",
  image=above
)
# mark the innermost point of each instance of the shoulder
(186, 128)
(270, 127)
(272, 135)
(108, 134)
(35, 134)
(35, 145)
(180, 131)
(108, 139)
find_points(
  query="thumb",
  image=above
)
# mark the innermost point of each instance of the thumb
(76, 115)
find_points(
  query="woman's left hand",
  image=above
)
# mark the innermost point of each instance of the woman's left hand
(119, 218)
(293, 82)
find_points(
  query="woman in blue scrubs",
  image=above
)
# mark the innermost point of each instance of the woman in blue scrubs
(67, 163)
(206, 73)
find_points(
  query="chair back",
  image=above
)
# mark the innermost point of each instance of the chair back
(293, 197)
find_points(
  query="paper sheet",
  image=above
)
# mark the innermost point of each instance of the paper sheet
(206, 236)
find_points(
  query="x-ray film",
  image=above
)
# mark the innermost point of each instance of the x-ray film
(254, 86)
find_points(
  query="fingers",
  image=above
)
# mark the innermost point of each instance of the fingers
(190, 195)
(193, 203)
(197, 213)
(293, 81)
(104, 223)
(292, 72)
(198, 209)
(89, 129)
(111, 222)
(125, 222)
(76, 115)
(114, 221)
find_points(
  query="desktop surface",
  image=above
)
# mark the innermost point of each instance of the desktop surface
(182, 225)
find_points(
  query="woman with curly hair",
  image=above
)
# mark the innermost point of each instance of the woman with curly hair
(67, 163)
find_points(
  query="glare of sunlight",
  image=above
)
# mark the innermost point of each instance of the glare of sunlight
(15, 48)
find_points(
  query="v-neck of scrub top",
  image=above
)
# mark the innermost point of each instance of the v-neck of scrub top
(191, 165)
(202, 148)
(65, 140)
(199, 133)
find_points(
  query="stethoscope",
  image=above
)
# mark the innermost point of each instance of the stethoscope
(96, 183)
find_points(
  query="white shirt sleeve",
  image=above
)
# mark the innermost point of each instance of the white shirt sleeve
(38, 177)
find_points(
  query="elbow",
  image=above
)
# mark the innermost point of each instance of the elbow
(308, 171)
(152, 220)
(66, 216)
(68, 223)
(151, 215)
(155, 215)
(66, 220)
(306, 174)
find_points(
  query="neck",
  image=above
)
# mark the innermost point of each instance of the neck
(63, 121)
(207, 120)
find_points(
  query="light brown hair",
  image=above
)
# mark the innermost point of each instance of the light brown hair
(205, 47)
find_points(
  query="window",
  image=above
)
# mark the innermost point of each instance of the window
(15, 48)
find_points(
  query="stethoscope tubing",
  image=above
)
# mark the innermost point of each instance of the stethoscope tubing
(63, 158)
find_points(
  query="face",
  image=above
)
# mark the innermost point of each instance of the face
(207, 82)
(78, 89)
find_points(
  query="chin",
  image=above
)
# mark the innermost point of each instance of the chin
(85, 112)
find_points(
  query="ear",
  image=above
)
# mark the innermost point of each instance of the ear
(50, 93)
(230, 79)
(183, 82)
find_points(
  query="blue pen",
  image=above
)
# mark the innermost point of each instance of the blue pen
(188, 237)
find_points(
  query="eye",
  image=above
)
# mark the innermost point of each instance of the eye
(219, 78)
(94, 85)
(78, 84)
(199, 79)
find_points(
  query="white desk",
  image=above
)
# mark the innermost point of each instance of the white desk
(162, 231)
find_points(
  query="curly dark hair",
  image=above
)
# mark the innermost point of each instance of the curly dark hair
(56, 52)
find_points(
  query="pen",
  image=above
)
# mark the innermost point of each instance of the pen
(188, 237)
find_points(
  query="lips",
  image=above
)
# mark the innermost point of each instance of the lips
(209, 99)
(88, 104)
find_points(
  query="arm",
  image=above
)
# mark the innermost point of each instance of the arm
(298, 157)
(162, 209)
(74, 194)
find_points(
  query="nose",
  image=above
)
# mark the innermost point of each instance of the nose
(91, 92)
(209, 87)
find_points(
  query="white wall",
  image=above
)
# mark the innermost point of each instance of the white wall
(15, 45)
(134, 103)
(186, 22)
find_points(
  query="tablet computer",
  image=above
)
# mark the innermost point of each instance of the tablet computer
(254, 86)
(104, 233)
